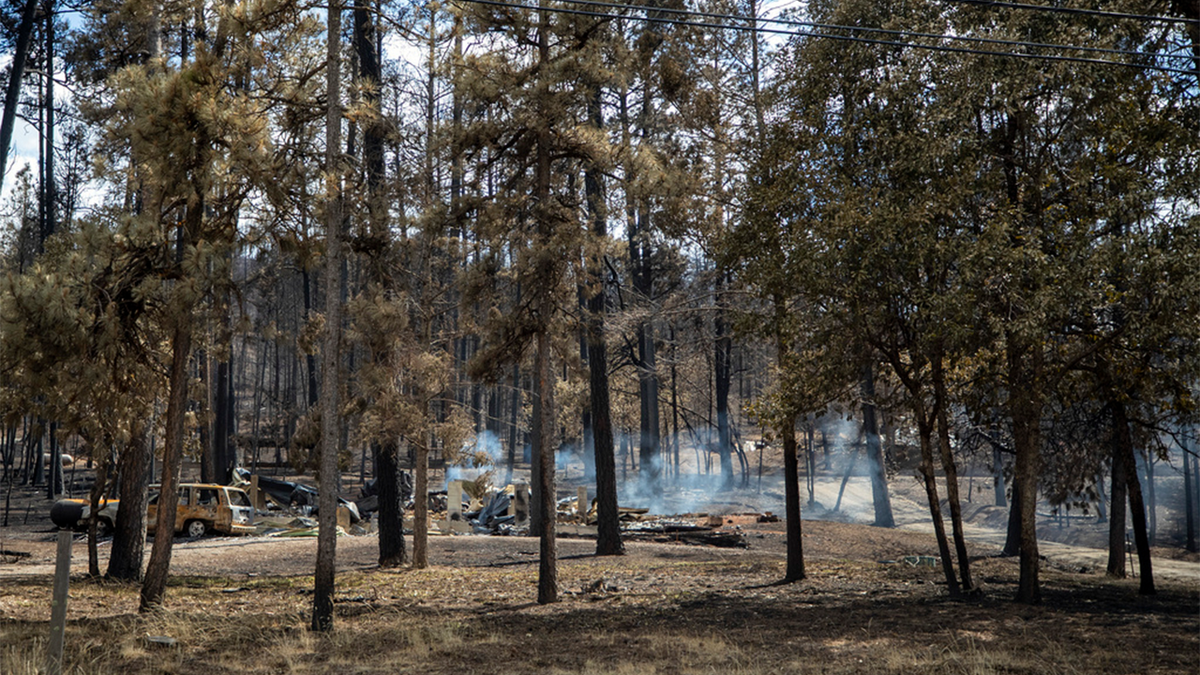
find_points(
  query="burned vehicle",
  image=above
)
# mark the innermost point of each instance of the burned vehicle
(206, 508)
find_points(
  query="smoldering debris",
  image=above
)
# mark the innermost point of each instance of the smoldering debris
(664, 530)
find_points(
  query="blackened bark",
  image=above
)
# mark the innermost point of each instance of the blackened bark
(722, 375)
(1137, 508)
(1117, 512)
(1025, 406)
(998, 478)
(223, 460)
(323, 577)
(310, 360)
(97, 492)
(608, 537)
(154, 584)
(1189, 501)
(950, 468)
(649, 442)
(514, 411)
(543, 367)
(879, 486)
(129, 535)
(548, 559)
(12, 94)
(369, 83)
(391, 508)
(791, 478)
(1012, 540)
(925, 434)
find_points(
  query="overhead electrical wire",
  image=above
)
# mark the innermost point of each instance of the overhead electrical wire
(1076, 10)
(859, 29)
(845, 38)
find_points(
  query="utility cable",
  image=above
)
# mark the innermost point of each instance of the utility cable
(847, 38)
(861, 29)
(1076, 10)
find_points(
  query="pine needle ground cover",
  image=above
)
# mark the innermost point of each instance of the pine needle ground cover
(662, 608)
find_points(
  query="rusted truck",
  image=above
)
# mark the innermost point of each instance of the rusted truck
(205, 507)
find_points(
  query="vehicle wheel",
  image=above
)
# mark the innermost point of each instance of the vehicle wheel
(106, 527)
(195, 529)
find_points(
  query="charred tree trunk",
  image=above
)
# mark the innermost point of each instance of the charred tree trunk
(950, 467)
(648, 444)
(879, 486)
(391, 508)
(791, 463)
(129, 536)
(548, 561)
(223, 460)
(925, 432)
(1189, 501)
(154, 584)
(544, 416)
(514, 412)
(1117, 511)
(1151, 495)
(1025, 408)
(310, 360)
(722, 376)
(1137, 509)
(323, 578)
(1012, 540)
(791, 478)
(608, 536)
(998, 478)
(94, 497)
(12, 96)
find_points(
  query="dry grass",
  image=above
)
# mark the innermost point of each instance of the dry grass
(644, 613)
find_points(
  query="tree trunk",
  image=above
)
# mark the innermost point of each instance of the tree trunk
(1117, 511)
(1137, 509)
(154, 584)
(420, 556)
(129, 536)
(608, 525)
(950, 467)
(998, 478)
(94, 497)
(12, 96)
(310, 360)
(1012, 540)
(648, 444)
(391, 506)
(925, 432)
(323, 578)
(223, 460)
(1151, 497)
(543, 368)
(879, 486)
(514, 412)
(1189, 501)
(723, 345)
(791, 479)
(548, 563)
(1025, 405)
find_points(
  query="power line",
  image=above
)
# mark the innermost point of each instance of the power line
(860, 29)
(846, 38)
(1076, 10)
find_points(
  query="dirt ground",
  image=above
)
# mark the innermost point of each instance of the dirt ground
(241, 604)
